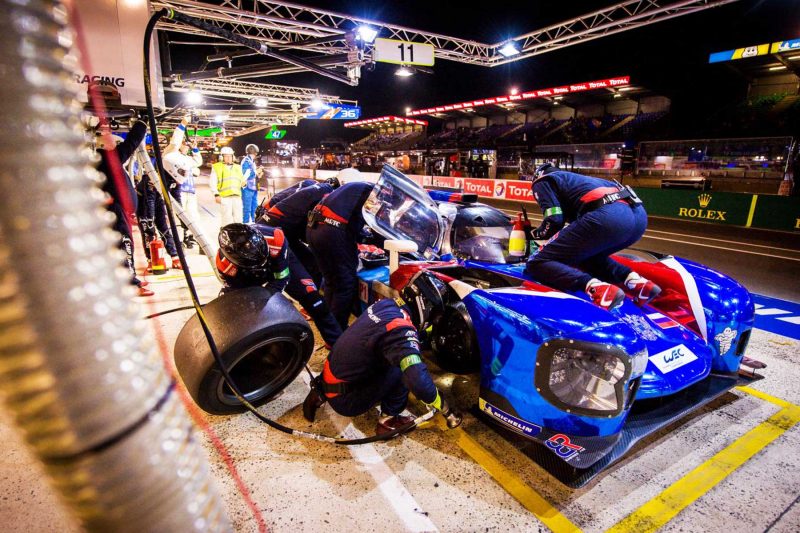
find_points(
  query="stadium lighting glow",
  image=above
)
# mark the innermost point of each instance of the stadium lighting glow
(366, 33)
(617, 95)
(793, 58)
(508, 50)
(779, 67)
(317, 104)
(260, 102)
(623, 89)
(404, 72)
(220, 118)
(408, 110)
(514, 91)
(558, 98)
(193, 98)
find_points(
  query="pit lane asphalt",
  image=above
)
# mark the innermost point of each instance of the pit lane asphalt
(429, 480)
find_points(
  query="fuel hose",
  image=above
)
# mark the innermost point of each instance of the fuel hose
(261, 48)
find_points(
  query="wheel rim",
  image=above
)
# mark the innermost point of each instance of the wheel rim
(262, 370)
(456, 339)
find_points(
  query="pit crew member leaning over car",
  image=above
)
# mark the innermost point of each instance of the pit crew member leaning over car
(604, 218)
(377, 360)
(254, 254)
(291, 215)
(183, 169)
(335, 227)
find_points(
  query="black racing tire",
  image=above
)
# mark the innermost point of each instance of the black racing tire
(262, 339)
(454, 342)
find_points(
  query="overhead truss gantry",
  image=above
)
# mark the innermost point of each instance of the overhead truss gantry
(286, 24)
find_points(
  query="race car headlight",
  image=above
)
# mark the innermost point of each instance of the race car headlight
(583, 378)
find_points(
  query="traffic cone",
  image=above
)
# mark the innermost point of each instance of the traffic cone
(516, 242)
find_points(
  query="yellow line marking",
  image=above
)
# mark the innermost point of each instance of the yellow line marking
(664, 507)
(157, 279)
(511, 482)
(767, 398)
(752, 210)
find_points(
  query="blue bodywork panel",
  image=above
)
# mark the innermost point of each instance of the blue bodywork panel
(525, 330)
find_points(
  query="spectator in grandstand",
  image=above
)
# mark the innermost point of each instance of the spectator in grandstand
(604, 218)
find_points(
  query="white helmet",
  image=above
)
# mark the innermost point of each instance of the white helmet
(227, 150)
(251, 149)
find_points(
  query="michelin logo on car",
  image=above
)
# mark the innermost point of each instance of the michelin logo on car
(514, 423)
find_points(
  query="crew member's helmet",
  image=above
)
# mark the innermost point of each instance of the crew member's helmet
(251, 149)
(226, 150)
(244, 246)
(333, 182)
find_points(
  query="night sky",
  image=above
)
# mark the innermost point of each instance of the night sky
(669, 58)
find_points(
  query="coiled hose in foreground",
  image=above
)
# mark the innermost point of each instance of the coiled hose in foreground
(77, 369)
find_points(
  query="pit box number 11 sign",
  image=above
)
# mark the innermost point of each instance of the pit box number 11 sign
(403, 52)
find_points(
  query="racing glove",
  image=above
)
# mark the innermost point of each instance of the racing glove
(452, 417)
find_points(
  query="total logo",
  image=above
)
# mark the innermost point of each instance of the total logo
(479, 187)
(520, 190)
(563, 447)
(705, 214)
(500, 188)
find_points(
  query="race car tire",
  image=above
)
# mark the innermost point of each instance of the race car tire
(454, 342)
(262, 339)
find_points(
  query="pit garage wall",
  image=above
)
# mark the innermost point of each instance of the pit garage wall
(735, 209)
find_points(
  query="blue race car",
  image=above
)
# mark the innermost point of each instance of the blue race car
(584, 382)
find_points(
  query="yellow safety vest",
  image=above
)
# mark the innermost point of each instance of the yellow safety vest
(229, 179)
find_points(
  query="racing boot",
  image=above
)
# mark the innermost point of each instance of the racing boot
(643, 290)
(144, 292)
(176, 263)
(313, 401)
(387, 423)
(604, 294)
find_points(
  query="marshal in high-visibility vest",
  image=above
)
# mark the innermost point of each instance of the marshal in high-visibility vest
(228, 179)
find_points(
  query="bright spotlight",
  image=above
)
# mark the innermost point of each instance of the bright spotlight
(509, 49)
(220, 119)
(403, 71)
(193, 98)
(366, 33)
(514, 91)
(317, 104)
(408, 110)
(260, 102)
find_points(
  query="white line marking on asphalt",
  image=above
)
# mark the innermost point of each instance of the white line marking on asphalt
(771, 311)
(790, 319)
(721, 240)
(646, 236)
(722, 248)
(399, 498)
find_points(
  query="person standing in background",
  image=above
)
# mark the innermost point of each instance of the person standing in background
(250, 191)
(226, 182)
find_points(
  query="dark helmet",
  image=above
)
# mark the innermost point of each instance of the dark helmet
(543, 170)
(244, 246)
(333, 182)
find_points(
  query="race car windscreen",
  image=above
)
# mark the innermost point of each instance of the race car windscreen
(481, 243)
(398, 208)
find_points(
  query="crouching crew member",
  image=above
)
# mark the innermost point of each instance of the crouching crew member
(604, 217)
(377, 360)
(251, 255)
(264, 206)
(291, 215)
(334, 230)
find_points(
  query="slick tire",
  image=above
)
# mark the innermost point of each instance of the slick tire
(454, 342)
(262, 339)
